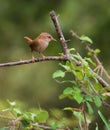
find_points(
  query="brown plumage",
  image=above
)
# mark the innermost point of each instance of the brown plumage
(40, 43)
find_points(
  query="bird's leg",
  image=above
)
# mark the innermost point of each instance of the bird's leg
(43, 57)
(33, 58)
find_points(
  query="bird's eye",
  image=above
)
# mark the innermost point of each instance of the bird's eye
(49, 37)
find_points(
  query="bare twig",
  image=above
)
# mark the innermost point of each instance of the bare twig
(21, 62)
(54, 58)
(59, 33)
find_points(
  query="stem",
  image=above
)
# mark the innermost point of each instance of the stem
(21, 62)
(59, 33)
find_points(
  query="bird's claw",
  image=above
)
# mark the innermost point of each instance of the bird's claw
(33, 59)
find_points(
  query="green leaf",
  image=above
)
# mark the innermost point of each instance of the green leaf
(88, 98)
(96, 127)
(25, 123)
(66, 93)
(66, 67)
(54, 126)
(90, 53)
(90, 61)
(42, 117)
(97, 101)
(61, 54)
(28, 117)
(68, 109)
(97, 51)
(79, 75)
(17, 111)
(85, 63)
(58, 73)
(104, 120)
(72, 49)
(86, 39)
(5, 110)
(78, 115)
(11, 103)
(77, 95)
(72, 93)
(90, 110)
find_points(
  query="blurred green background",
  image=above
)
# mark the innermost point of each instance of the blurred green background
(33, 83)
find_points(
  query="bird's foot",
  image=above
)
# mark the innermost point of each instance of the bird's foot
(43, 57)
(33, 59)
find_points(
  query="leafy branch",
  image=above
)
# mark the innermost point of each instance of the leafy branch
(92, 53)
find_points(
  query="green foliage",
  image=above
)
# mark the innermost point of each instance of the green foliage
(96, 51)
(58, 73)
(42, 117)
(84, 39)
(107, 124)
(72, 93)
(33, 119)
(97, 101)
(90, 109)
(83, 88)
(27, 120)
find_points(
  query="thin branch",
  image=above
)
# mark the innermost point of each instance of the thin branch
(30, 61)
(100, 66)
(105, 104)
(21, 62)
(44, 127)
(84, 114)
(103, 82)
(59, 33)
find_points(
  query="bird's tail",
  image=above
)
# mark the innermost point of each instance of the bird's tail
(29, 40)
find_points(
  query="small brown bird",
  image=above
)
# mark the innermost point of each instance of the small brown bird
(40, 43)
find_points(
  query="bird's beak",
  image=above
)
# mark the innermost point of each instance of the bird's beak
(54, 39)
